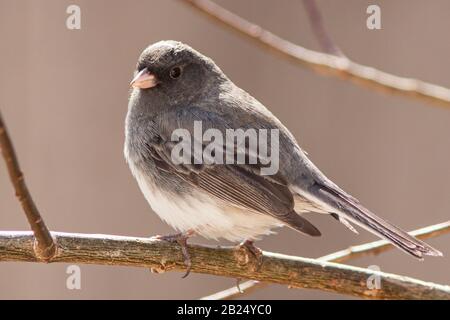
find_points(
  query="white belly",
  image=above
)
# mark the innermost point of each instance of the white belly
(205, 215)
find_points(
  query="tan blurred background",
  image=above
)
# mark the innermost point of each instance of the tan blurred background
(64, 96)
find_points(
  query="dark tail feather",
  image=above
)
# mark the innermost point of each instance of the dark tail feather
(343, 204)
(297, 222)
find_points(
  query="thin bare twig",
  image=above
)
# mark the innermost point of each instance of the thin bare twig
(45, 245)
(161, 256)
(367, 249)
(244, 289)
(380, 246)
(323, 63)
(316, 22)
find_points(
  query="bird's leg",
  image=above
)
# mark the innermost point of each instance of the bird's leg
(180, 238)
(238, 287)
(253, 251)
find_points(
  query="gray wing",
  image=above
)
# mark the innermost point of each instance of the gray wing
(239, 185)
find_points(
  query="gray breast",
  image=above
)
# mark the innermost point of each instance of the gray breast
(140, 137)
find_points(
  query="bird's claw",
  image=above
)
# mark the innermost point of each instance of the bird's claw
(181, 239)
(252, 252)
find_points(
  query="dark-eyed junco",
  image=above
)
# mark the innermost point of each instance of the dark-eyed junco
(176, 90)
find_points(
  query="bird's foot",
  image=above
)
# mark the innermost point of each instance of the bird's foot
(181, 239)
(248, 253)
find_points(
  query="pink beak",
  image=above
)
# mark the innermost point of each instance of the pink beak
(144, 80)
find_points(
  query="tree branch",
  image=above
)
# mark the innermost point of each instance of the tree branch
(367, 249)
(44, 246)
(326, 64)
(276, 268)
(162, 256)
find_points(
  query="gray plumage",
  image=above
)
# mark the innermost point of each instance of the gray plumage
(228, 201)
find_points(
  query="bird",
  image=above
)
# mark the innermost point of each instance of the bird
(175, 86)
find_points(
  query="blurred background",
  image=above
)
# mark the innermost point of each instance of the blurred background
(63, 94)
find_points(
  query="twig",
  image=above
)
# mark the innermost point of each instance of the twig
(45, 245)
(161, 256)
(377, 247)
(367, 249)
(326, 64)
(244, 289)
(315, 20)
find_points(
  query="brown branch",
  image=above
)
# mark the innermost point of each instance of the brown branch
(316, 22)
(367, 249)
(276, 268)
(326, 64)
(45, 245)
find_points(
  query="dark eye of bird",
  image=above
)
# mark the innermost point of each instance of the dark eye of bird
(175, 72)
